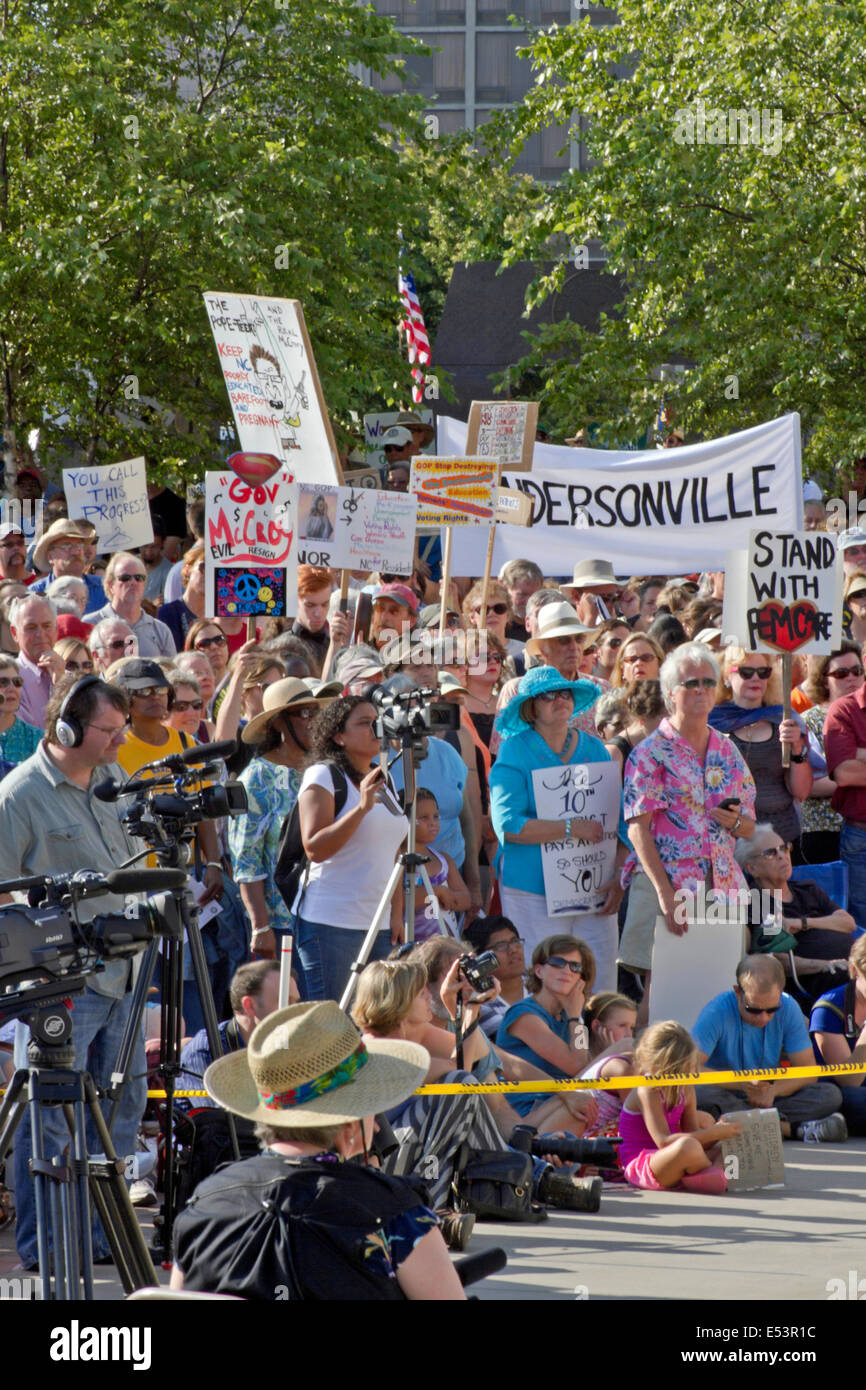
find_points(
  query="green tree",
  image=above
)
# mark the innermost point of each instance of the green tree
(742, 247)
(151, 151)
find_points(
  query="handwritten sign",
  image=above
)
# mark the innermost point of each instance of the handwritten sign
(372, 530)
(793, 593)
(113, 497)
(754, 1157)
(270, 374)
(375, 426)
(575, 870)
(454, 492)
(504, 431)
(249, 529)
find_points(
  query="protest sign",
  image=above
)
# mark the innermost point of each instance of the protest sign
(793, 594)
(113, 497)
(363, 477)
(754, 1157)
(665, 510)
(361, 529)
(317, 525)
(575, 870)
(250, 531)
(375, 426)
(688, 971)
(270, 374)
(504, 431)
(454, 491)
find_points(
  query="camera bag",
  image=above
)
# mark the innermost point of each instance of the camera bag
(496, 1184)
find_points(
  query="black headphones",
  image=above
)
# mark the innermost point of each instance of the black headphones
(69, 731)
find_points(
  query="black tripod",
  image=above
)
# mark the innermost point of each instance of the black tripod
(64, 1188)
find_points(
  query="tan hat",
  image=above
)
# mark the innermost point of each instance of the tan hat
(555, 620)
(307, 1065)
(72, 530)
(855, 584)
(590, 572)
(282, 695)
(411, 420)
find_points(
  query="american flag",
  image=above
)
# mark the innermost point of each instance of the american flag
(413, 328)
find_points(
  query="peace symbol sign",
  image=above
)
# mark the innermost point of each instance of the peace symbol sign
(246, 588)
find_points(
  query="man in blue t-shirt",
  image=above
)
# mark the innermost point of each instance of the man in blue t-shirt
(749, 1028)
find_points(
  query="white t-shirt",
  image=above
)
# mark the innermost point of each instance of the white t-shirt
(344, 891)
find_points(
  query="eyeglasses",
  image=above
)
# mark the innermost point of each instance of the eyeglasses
(130, 578)
(844, 671)
(774, 852)
(147, 691)
(499, 608)
(560, 963)
(547, 697)
(749, 672)
(6, 681)
(181, 706)
(79, 665)
(514, 943)
(109, 733)
(206, 642)
(699, 683)
(119, 644)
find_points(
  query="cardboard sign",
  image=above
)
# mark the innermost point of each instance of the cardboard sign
(363, 477)
(575, 870)
(113, 497)
(270, 374)
(375, 426)
(793, 593)
(504, 431)
(754, 1157)
(250, 530)
(688, 971)
(455, 492)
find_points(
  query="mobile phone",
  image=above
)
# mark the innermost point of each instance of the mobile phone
(729, 803)
(603, 610)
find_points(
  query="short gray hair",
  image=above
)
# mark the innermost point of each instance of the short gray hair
(97, 637)
(688, 654)
(18, 603)
(608, 705)
(515, 570)
(543, 596)
(747, 850)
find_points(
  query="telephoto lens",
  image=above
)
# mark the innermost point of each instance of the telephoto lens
(600, 1152)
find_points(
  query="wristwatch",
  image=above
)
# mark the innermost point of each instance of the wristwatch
(799, 757)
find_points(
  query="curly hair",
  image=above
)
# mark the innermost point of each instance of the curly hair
(815, 685)
(331, 721)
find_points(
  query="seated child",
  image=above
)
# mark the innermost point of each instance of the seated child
(610, 1018)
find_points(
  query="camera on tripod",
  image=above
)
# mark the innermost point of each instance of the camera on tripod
(409, 715)
(601, 1152)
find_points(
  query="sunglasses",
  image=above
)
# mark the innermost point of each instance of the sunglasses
(180, 706)
(499, 608)
(306, 712)
(205, 642)
(591, 651)
(559, 963)
(749, 672)
(750, 1008)
(844, 671)
(6, 681)
(79, 665)
(638, 656)
(699, 683)
(615, 641)
(547, 697)
(147, 690)
(774, 852)
(130, 578)
(119, 644)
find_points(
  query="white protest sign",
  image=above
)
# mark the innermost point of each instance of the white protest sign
(688, 971)
(250, 546)
(793, 593)
(270, 374)
(317, 525)
(574, 870)
(659, 511)
(113, 497)
(504, 431)
(361, 529)
(375, 425)
(455, 491)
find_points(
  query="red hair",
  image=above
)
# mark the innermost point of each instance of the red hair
(311, 578)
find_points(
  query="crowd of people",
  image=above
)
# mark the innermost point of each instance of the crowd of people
(107, 667)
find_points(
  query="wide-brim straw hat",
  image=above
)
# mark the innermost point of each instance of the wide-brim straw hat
(62, 527)
(307, 1065)
(541, 679)
(555, 620)
(282, 695)
(589, 572)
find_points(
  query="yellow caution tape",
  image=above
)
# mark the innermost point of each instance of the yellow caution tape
(622, 1083)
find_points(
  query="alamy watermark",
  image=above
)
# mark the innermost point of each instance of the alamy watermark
(753, 125)
(735, 906)
(24, 516)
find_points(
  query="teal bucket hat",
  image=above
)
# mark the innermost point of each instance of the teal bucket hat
(536, 682)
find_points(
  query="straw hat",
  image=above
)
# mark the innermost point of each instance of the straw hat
(555, 620)
(61, 529)
(307, 1065)
(411, 420)
(588, 573)
(282, 695)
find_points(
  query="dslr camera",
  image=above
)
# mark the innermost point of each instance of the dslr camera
(478, 970)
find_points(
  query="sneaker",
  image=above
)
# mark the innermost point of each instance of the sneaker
(568, 1193)
(457, 1227)
(142, 1193)
(831, 1130)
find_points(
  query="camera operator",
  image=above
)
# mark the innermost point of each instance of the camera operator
(51, 823)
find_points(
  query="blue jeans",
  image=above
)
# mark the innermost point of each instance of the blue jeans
(852, 850)
(853, 1107)
(98, 1023)
(325, 955)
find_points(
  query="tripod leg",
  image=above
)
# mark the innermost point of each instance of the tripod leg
(116, 1212)
(372, 932)
(131, 1032)
(208, 1008)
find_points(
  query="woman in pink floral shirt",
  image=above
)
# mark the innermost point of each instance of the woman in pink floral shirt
(676, 782)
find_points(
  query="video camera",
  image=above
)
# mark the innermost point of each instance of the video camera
(46, 952)
(159, 816)
(409, 715)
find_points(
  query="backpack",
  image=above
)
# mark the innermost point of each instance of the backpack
(292, 866)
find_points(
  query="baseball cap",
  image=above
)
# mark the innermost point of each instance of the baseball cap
(401, 593)
(8, 528)
(139, 673)
(855, 535)
(396, 435)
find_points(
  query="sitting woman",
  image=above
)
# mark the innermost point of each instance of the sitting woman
(611, 1020)
(547, 1028)
(838, 1027)
(817, 931)
(299, 1220)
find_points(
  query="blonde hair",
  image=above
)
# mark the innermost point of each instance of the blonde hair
(734, 656)
(617, 678)
(600, 1005)
(857, 954)
(386, 992)
(666, 1048)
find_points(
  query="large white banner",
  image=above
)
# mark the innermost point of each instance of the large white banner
(662, 511)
